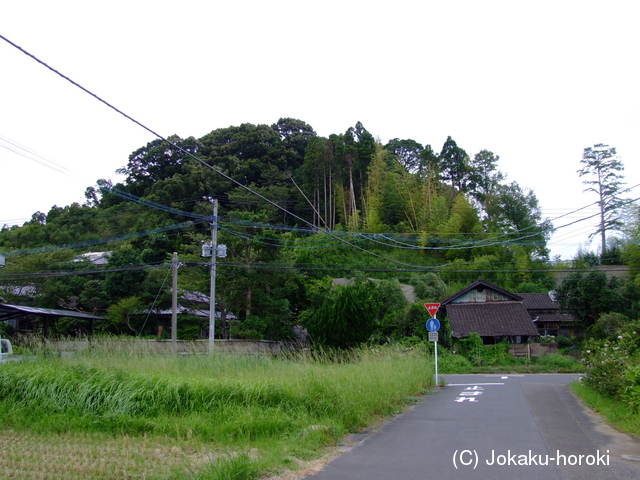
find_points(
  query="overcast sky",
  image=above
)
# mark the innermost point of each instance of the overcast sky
(534, 82)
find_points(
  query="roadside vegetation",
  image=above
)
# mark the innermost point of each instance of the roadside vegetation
(615, 411)
(107, 414)
(612, 364)
(474, 357)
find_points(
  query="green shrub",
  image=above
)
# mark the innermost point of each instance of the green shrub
(231, 467)
(6, 330)
(473, 348)
(485, 355)
(453, 363)
(498, 354)
(189, 326)
(631, 393)
(559, 363)
(347, 316)
(611, 365)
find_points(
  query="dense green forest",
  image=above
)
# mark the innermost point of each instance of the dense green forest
(296, 210)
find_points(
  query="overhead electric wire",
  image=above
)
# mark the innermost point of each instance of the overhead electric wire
(160, 290)
(68, 273)
(467, 245)
(219, 172)
(25, 152)
(189, 154)
(150, 203)
(87, 243)
(262, 240)
(233, 266)
(628, 202)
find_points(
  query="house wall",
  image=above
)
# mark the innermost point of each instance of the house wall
(486, 295)
(555, 329)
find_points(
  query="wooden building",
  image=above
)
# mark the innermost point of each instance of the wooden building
(499, 315)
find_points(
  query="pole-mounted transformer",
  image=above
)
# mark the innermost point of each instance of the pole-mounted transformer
(207, 250)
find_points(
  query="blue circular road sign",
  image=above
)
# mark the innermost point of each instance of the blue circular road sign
(433, 325)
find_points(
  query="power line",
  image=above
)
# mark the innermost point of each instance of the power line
(449, 269)
(25, 152)
(480, 243)
(189, 154)
(87, 243)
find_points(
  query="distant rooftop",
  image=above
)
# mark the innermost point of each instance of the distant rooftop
(97, 258)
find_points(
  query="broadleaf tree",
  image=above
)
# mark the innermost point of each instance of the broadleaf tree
(588, 296)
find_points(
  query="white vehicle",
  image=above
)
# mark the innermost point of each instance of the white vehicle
(5, 349)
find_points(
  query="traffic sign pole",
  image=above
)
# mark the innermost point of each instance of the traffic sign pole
(433, 326)
(436, 345)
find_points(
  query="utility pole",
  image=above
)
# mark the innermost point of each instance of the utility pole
(212, 294)
(174, 303)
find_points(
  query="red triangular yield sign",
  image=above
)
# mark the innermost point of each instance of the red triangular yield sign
(432, 308)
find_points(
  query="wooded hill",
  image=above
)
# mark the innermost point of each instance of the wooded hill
(342, 206)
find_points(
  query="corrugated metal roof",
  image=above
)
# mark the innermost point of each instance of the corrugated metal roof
(8, 312)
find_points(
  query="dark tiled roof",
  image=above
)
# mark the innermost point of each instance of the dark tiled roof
(543, 309)
(538, 301)
(554, 317)
(491, 319)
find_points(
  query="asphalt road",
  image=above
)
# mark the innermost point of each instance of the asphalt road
(491, 427)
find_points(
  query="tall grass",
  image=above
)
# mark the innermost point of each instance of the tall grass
(617, 412)
(551, 363)
(288, 405)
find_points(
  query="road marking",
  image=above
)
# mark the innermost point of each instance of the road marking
(472, 391)
(469, 394)
(465, 384)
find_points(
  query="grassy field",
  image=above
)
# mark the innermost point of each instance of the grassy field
(121, 415)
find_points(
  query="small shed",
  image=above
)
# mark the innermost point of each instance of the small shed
(9, 313)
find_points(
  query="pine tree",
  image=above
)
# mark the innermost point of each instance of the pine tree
(603, 168)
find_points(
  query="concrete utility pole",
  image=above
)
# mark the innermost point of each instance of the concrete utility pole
(212, 294)
(174, 303)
